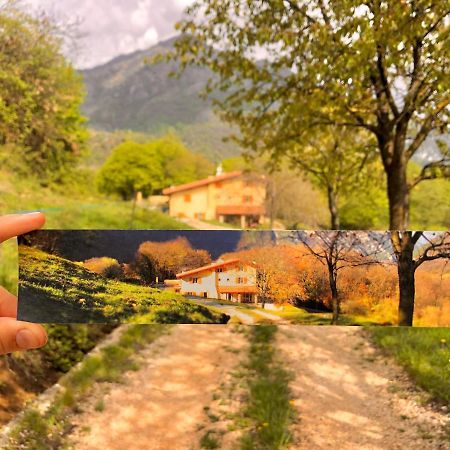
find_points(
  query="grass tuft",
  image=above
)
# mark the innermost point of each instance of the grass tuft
(424, 353)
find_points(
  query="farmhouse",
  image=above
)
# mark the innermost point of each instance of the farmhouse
(232, 197)
(224, 279)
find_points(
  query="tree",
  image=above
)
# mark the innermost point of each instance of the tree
(178, 163)
(131, 168)
(337, 250)
(379, 66)
(283, 201)
(338, 161)
(431, 246)
(165, 259)
(40, 96)
(277, 279)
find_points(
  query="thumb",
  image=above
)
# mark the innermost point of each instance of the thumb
(15, 335)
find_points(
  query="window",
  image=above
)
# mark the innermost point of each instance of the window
(247, 199)
(239, 280)
(219, 270)
(187, 198)
(196, 280)
(247, 298)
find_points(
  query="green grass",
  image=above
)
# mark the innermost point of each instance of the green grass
(424, 353)
(54, 289)
(44, 430)
(209, 441)
(8, 265)
(268, 407)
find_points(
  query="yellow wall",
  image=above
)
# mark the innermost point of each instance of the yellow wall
(205, 199)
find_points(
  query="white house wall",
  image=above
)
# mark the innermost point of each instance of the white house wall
(207, 284)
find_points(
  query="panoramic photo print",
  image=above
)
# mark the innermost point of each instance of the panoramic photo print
(232, 276)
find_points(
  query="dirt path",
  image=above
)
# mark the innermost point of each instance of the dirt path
(349, 397)
(231, 310)
(161, 405)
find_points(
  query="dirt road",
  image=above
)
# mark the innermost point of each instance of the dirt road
(161, 405)
(349, 397)
(245, 316)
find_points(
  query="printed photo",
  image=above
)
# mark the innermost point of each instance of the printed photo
(233, 276)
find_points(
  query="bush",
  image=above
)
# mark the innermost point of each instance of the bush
(107, 267)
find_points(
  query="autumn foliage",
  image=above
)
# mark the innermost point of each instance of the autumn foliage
(107, 267)
(164, 260)
(368, 291)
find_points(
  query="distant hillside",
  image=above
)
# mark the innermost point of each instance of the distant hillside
(128, 94)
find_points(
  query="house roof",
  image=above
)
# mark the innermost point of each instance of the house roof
(240, 210)
(214, 266)
(196, 184)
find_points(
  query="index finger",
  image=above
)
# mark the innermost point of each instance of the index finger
(17, 224)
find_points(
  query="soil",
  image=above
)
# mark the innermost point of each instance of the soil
(350, 396)
(162, 405)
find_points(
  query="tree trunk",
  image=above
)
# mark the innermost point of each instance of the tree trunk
(404, 250)
(133, 210)
(334, 296)
(333, 208)
(398, 196)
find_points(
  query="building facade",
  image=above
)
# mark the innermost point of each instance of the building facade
(227, 197)
(224, 280)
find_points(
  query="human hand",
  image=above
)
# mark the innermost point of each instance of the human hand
(15, 335)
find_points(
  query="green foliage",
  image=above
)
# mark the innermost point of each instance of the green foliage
(268, 406)
(40, 96)
(179, 165)
(8, 265)
(327, 63)
(151, 166)
(366, 208)
(131, 168)
(71, 293)
(68, 344)
(209, 441)
(425, 354)
(430, 209)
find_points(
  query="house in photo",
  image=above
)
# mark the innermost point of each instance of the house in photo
(224, 280)
(232, 197)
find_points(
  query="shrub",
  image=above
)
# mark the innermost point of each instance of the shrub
(107, 267)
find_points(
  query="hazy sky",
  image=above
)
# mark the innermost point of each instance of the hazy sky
(113, 27)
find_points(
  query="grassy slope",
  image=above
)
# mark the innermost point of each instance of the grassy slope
(66, 286)
(423, 352)
(76, 206)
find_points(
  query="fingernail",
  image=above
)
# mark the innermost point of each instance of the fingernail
(25, 340)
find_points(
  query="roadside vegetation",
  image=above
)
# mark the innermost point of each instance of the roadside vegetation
(268, 411)
(41, 430)
(424, 353)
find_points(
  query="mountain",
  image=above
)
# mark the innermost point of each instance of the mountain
(129, 94)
